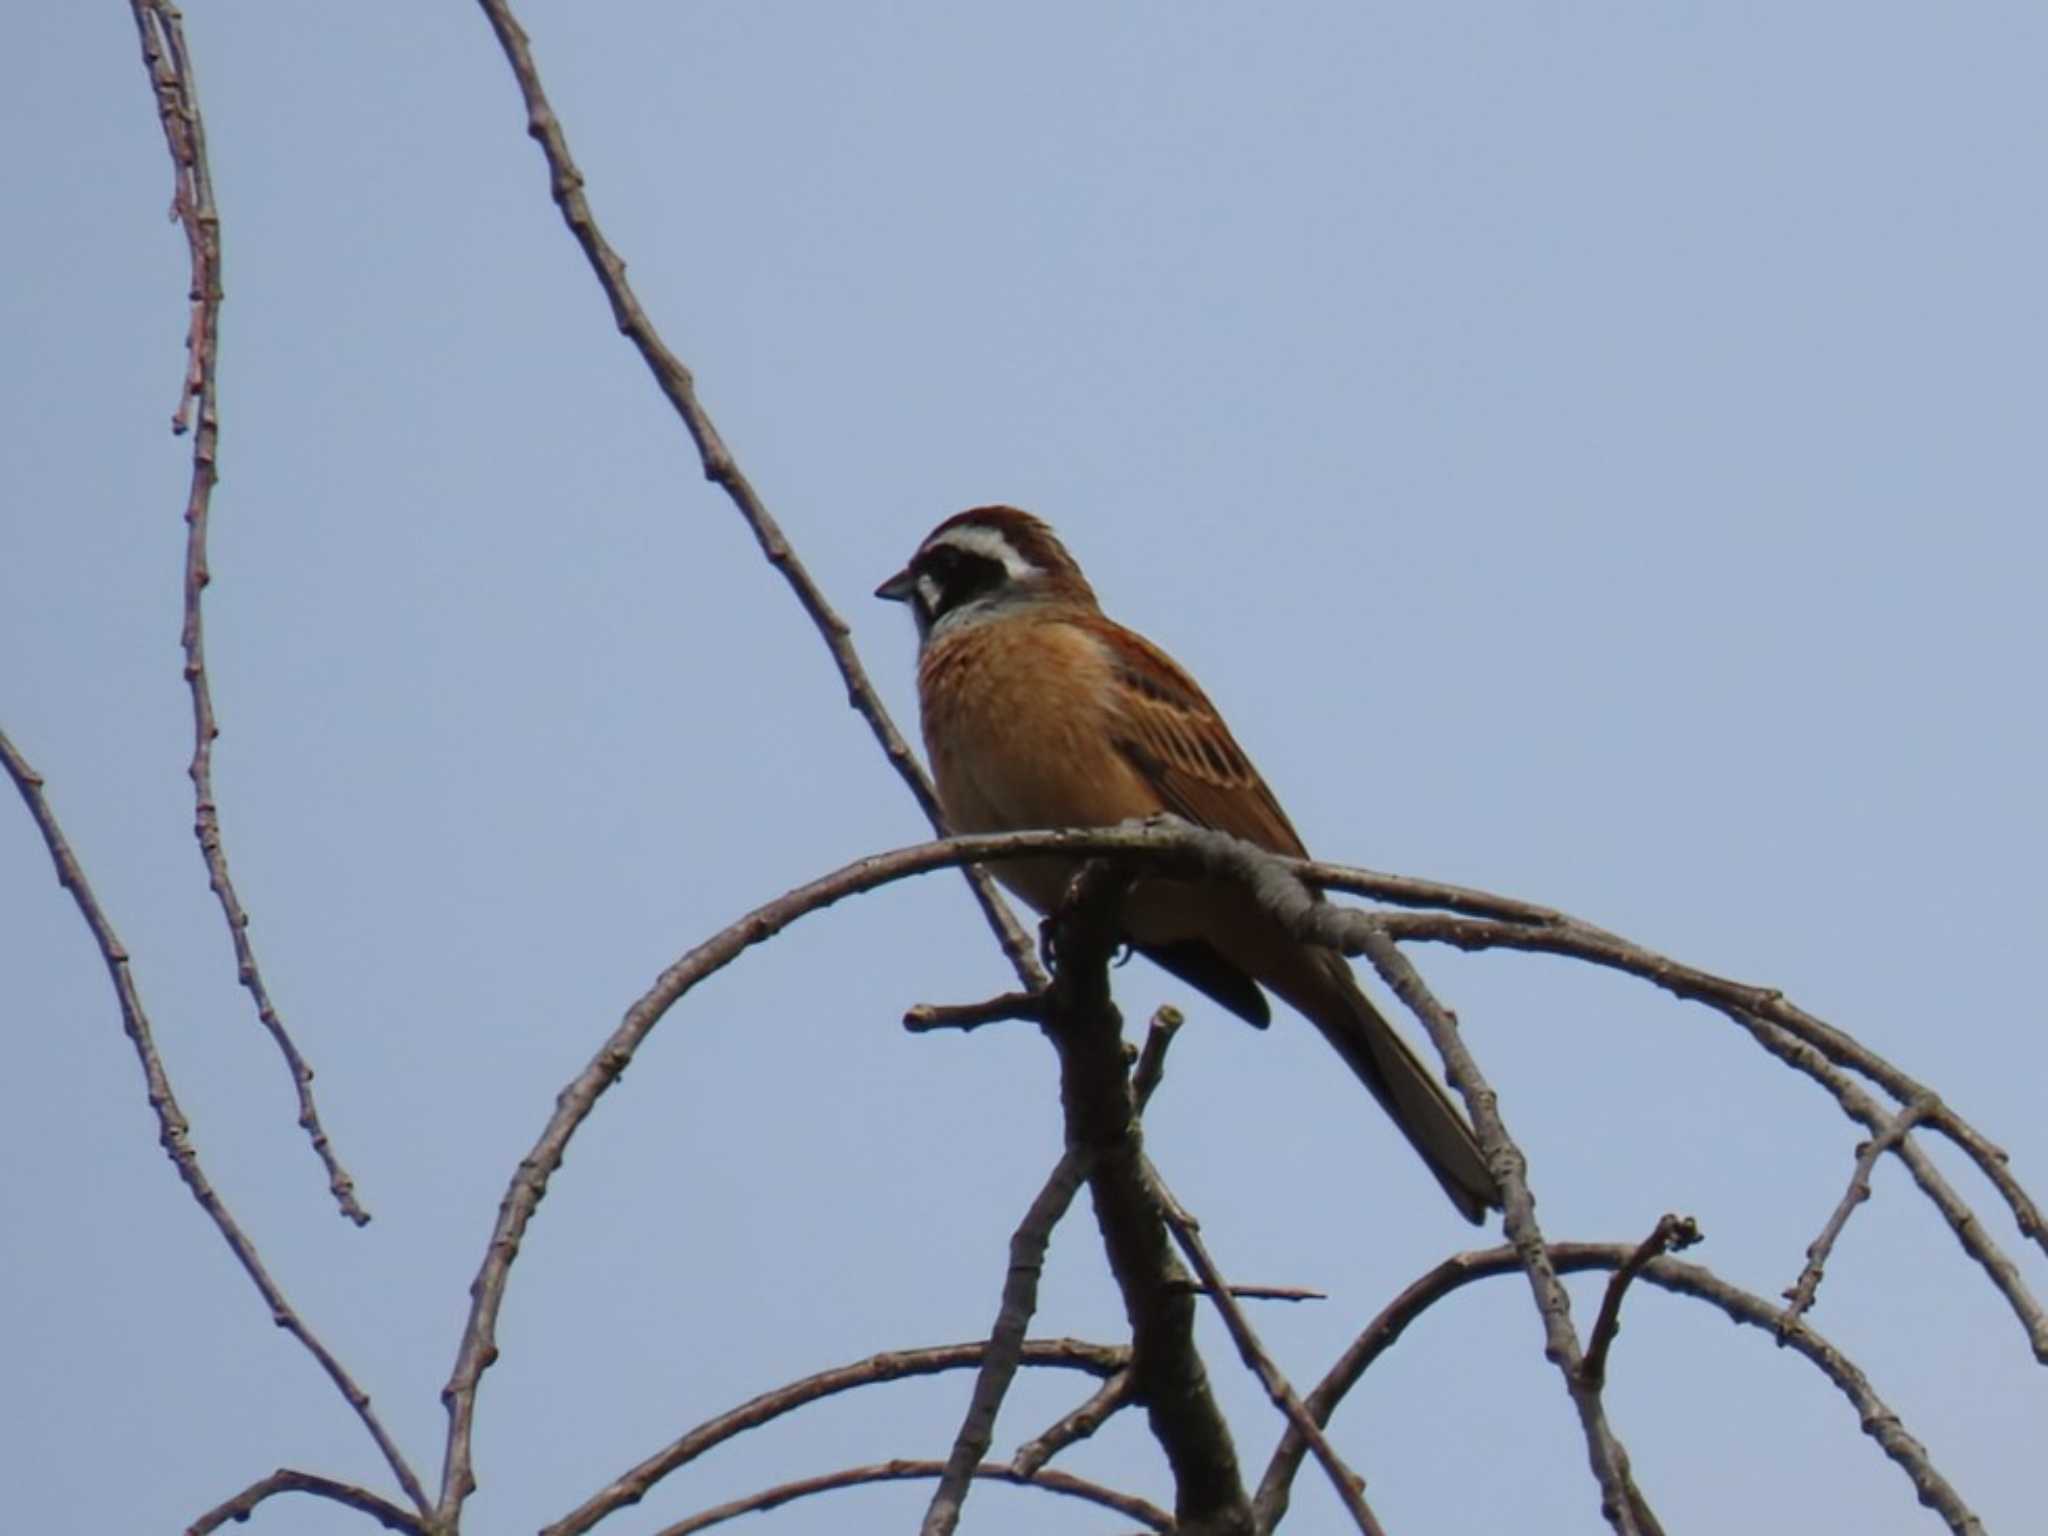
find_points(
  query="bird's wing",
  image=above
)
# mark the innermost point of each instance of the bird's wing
(1170, 732)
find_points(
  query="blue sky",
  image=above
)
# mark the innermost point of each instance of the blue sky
(1592, 452)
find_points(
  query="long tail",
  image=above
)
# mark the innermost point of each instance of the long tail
(1406, 1089)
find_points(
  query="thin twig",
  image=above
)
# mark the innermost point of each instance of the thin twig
(1621, 1502)
(1800, 1294)
(286, 1480)
(680, 387)
(1582, 941)
(164, 55)
(1149, 1515)
(924, 1018)
(1151, 1068)
(1261, 1292)
(1005, 1341)
(632, 1486)
(174, 1131)
(1674, 1275)
(1671, 1234)
(1810, 1046)
(1109, 1399)
(1174, 847)
(1279, 1390)
(1020, 1284)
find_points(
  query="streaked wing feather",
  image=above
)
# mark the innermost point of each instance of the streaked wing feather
(1173, 735)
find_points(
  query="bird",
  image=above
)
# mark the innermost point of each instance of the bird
(1040, 711)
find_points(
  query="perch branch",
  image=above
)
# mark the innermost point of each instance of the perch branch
(1175, 847)
(1102, 1124)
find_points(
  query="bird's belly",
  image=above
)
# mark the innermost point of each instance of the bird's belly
(1022, 741)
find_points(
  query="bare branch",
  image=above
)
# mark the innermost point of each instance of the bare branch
(680, 387)
(1109, 1399)
(924, 1018)
(1102, 1122)
(1812, 1047)
(1173, 847)
(285, 1480)
(1674, 1275)
(1151, 1069)
(162, 32)
(1020, 1296)
(174, 1131)
(1005, 1342)
(1263, 1292)
(1583, 941)
(1800, 1293)
(1621, 1502)
(1151, 1516)
(1279, 1391)
(1671, 1234)
(896, 1365)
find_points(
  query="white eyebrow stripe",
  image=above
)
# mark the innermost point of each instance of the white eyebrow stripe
(990, 545)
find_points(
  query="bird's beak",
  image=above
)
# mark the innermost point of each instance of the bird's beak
(897, 588)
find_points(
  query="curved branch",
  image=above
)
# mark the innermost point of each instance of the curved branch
(1149, 1515)
(285, 1480)
(1809, 1045)
(1674, 1275)
(164, 55)
(895, 1365)
(1580, 940)
(1170, 846)
(174, 1131)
